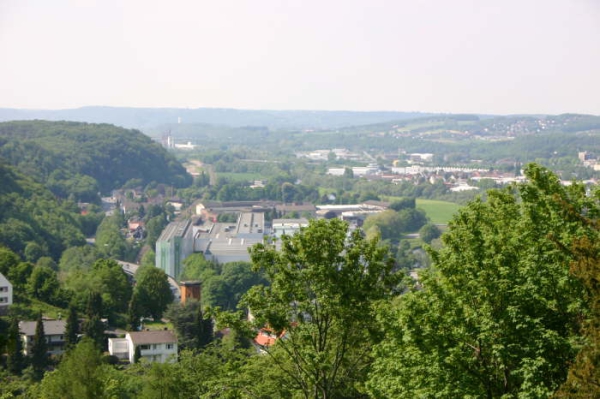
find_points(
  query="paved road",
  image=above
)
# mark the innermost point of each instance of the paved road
(131, 268)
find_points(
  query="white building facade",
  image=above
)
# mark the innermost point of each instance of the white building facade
(155, 346)
(6, 294)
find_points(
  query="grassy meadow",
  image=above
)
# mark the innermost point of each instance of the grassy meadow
(440, 212)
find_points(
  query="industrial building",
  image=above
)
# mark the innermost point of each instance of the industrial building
(219, 242)
(229, 242)
(174, 245)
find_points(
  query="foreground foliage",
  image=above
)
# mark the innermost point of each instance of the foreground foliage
(496, 314)
(325, 282)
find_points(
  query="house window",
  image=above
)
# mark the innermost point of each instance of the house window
(169, 346)
(154, 347)
(3, 299)
(3, 289)
(144, 347)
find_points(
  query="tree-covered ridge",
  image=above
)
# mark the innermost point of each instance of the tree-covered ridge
(33, 223)
(73, 157)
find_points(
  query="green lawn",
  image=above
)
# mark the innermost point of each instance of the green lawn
(440, 212)
(157, 325)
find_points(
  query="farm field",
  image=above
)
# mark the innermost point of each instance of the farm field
(440, 212)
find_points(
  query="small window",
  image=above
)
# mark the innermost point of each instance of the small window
(3, 289)
(144, 347)
(3, 299)
(169, 346)
(154, 347)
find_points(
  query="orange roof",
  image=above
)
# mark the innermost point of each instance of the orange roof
(266, 337)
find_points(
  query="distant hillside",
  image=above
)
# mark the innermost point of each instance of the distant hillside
(80, 159)
(33, 222)
(145, 118)
(453, 138)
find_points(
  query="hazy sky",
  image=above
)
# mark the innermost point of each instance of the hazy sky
(472, 56)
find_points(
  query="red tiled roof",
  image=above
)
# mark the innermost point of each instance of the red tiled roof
(266, 337)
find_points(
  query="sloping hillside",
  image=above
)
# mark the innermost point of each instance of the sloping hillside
(33, 222)
(82, 159)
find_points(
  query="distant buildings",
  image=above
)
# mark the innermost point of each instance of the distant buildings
(225, 242)
(335, 153)
(589, 160)
(219, 242)
(357, 171)
(287, 226)
(352, 211)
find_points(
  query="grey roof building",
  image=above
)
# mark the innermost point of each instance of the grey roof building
(229, 242)
(54, 331)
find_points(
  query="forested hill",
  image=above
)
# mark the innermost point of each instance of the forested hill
(33, 222)
(145, 118)
(79, 159)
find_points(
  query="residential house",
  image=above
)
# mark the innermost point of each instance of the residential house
(155, 346)
(6, 294)
(54, 333)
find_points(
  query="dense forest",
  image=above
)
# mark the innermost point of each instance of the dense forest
(47, 167)
(84, 159)
(33, 223)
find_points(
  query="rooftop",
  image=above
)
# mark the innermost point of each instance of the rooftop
(51, 327)
(174, 229)
(152, 337)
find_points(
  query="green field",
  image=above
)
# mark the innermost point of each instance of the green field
(236, 177)
(440, 212)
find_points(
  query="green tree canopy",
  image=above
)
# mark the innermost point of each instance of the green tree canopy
(82, 375)
(39, 349)
(495, 316)
(113, 284)
(429, 232)
(403, 203)
(43, 284)
(71, 328)
(8, 259)
(15, 361)
(324, 284)
(82, 257)
(153, 291)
